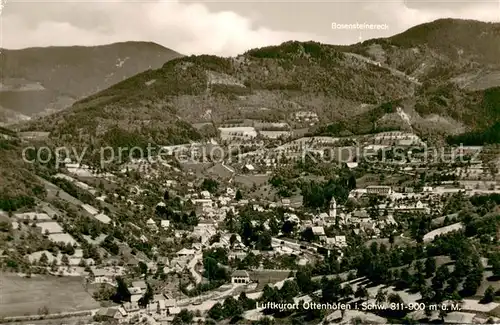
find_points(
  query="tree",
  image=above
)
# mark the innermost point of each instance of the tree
(347, 290)
(274, 226)
(246, 230)
(361, 292)
(148, 296)
(143, 268)
(44, 259)
(192, 219)
(381, 296)
(238, 195)
(210, 185)
(308, 234)
(474, 278)
(288, 227)
(394, 298)
(232, 239)
(65, 259)
(453, 283)
(216, 312)
(268, 294)
(68, 249)
(398, 312)
(122, 293)
(494, 261)
(53, 265)
(351, 276)
(246, 302)
(331, 290)
(184, 317)
(462, 267)
(442, 274)
(264, 242)
(5, 226)
(430, 266)
(210, 266)
(419, 281)
(103, 293)
(212, 270)
(43, 311)
(489, 295)
(232, 308)
(229, 221)
(288, 291)
(470, 286)
(391, 239)
(427, 294)
(110, 245)
(406, 277)
(304, 281)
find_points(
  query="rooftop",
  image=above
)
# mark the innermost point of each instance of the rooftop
(240, 273)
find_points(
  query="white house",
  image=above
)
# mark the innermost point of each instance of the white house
(103, 276)
(242, 133)
(103, 218)
(332, 214)
(165, 224)
(340, 241)
(249, 168)
(117, 314)
(240, 277)
(186, 252)
(318, 231)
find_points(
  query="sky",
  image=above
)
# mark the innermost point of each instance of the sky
(224, 28)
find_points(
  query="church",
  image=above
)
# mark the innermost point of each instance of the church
(330, 218)
(332, 213)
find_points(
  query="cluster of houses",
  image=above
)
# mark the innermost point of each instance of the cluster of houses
(397, 138)
(307, 117)
(213, 209)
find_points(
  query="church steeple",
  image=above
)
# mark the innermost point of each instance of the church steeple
(333, 208)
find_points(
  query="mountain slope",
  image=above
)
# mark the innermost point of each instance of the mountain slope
(457, 63)
(37, 79)
(439, 50)
(18, 184)
(414, 72)
(467, 40)
(156, 104)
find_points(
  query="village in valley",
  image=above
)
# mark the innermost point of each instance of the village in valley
(213, 232)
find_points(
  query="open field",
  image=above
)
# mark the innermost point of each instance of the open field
(390, 179)
(79, 320)
(52, 191)
(398, 241)
(268, 276)
(23, 296)
(263, 192)
(250, 180)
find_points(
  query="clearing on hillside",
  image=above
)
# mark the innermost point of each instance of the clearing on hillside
(27, 296)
